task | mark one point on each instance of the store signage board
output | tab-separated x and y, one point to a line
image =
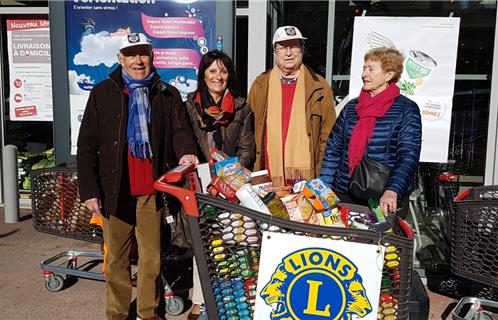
302	277
180	32
430	46
30	76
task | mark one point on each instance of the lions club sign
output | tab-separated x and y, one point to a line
308	278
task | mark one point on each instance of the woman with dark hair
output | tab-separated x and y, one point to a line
220	119
381	125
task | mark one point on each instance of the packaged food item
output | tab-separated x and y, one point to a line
319	218
377	210
206	173
276	206
218	187
281	191
233	182
360	223
298	186
260	177
259	181
290	203
319	194
232	167
218	155
333	217
248	198
305	207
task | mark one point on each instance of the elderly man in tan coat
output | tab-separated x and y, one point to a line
294	113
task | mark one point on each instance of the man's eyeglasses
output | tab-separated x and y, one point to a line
283	50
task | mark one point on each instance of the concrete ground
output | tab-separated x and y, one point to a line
22	290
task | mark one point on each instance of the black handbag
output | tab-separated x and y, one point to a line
368	180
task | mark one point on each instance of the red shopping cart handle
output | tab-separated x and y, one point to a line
463	195
448	177
185	196
178	173
406	229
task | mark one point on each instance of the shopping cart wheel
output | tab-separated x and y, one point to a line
54	283
174	306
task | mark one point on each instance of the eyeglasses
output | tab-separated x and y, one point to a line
282	50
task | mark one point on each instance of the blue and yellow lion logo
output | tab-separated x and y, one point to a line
316	283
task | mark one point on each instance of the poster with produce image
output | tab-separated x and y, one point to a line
429	46
180	31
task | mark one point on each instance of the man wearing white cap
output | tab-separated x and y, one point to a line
294	113
133	130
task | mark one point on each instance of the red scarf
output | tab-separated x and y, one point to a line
221	113
368	110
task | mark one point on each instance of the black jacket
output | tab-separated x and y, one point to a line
102	143
237	137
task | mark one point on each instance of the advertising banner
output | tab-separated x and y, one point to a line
430	46
180	32
311	278
28	46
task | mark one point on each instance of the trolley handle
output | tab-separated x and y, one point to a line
178	173
463	195
185	196
448	177
407	230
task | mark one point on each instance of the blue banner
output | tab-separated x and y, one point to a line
180	31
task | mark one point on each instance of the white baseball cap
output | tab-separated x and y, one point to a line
287	33
134	39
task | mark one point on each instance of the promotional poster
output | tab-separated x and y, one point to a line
28	46
429	45
180	32
314	279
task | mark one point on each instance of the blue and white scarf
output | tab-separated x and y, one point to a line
137	132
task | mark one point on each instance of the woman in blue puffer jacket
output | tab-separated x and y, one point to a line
380	124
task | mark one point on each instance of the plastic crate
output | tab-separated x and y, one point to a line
56	205
475	235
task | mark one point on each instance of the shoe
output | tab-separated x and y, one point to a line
200	316
193	316
151	318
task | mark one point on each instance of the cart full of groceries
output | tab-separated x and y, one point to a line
271	252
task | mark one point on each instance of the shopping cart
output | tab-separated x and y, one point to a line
227	242
57	209
475	250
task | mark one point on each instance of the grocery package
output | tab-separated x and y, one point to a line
219	187
232	172
260	180
248	198
275	205
319	194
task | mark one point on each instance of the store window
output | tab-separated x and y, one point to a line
299	14
33	139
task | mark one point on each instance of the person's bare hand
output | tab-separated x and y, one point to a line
389	202
93	205
189	158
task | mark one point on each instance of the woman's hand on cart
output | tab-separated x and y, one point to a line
389	201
